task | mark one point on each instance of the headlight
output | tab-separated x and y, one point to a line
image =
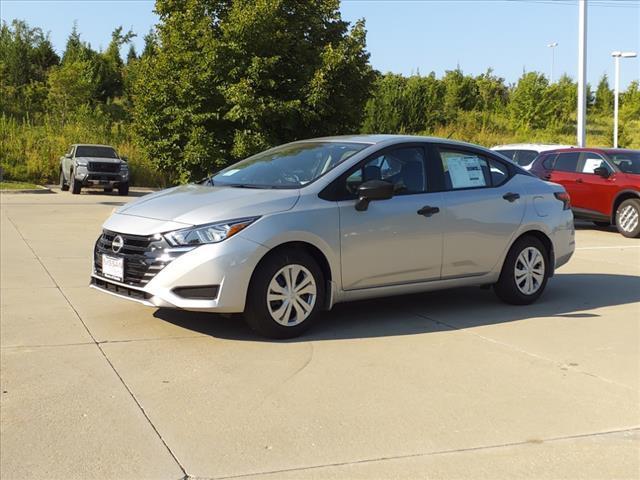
81	163
211	233
124	166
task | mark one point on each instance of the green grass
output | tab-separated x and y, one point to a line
7	185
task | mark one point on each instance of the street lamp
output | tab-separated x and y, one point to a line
617	55
552	46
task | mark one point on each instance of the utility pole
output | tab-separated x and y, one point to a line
552	46
582	72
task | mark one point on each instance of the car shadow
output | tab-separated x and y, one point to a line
567	296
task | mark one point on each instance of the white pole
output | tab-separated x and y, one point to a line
582	71
615	101
552	61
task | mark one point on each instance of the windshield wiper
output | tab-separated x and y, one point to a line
248	185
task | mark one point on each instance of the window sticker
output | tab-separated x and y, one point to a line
591	164
465	172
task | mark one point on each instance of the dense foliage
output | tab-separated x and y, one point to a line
219	80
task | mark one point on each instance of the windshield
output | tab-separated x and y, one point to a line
288	166
627	162
99	152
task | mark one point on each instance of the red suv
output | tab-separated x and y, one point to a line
603	183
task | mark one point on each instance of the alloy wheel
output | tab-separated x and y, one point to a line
291	295
628	218
529	270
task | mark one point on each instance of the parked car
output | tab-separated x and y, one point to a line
300	227
87	165
603	183
524	154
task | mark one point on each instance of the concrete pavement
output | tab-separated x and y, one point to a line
441	385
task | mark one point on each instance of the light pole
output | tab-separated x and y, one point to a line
552	46
616	59
582	72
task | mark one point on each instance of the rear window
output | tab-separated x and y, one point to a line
99	152
525	157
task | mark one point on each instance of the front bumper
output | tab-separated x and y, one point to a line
89	178
227	265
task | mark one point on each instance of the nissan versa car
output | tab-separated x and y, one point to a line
603	183
298	228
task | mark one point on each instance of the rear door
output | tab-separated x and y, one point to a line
564	172
483	208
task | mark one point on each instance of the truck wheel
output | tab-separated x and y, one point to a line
285	294
64	186
76	186
123	189
108	189
628	218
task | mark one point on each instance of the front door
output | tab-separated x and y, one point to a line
393	241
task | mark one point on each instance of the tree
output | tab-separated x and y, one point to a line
630	102
604	97
230	78
461	92
71	85
530	106
132	55
561	97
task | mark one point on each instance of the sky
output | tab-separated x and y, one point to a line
510	36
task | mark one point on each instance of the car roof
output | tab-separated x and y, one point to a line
605	150
388	140
90	145
538	147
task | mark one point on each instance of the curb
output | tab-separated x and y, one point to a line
27	190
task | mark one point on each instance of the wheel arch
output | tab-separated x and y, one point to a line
621	197
545	240
312	250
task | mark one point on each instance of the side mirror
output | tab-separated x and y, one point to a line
373	190
67	155
602	172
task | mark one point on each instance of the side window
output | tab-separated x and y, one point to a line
549	161
464	170
567	162
590	161
403	167
498	171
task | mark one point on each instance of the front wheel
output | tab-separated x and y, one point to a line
285	295
76	186
64	186
524	273
628	218
123	189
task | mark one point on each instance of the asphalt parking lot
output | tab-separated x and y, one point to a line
441	385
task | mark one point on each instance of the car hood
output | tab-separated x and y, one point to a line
199	204
99	159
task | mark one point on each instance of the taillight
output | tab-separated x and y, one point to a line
565	199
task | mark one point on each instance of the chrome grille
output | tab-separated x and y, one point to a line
144	256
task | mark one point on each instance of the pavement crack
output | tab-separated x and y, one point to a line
429	454
99	346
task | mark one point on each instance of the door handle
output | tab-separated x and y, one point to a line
427	211
511	196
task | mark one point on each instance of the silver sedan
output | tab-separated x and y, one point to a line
296	229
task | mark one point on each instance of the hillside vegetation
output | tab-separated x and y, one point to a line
218	81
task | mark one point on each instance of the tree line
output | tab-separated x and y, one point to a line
218	80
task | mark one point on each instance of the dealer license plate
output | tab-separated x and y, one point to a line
113	267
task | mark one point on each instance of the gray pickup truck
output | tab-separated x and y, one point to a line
94	166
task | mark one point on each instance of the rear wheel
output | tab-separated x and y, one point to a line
524	273
64	186
76	186
628	218
285	295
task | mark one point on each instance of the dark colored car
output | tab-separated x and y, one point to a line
603	183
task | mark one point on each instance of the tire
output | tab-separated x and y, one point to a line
628	218
64	186
512	291
76	186
277	318
602	224
108	189
123	189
